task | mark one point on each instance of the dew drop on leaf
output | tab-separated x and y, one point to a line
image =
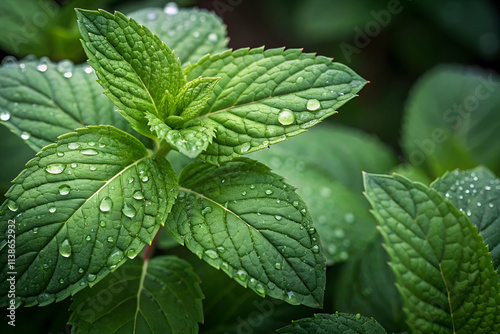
286	117
278	217
145	179
91	277
313	105
89	151
65	248
110	239
43	64
115	257
4	115
206	210
52	209
244	148
171	8
211	254
291	297
66	68
138	195
64	189
277	265
73	146
13	206
269	192
102	223
106	204
55	168
88	238
315	249
80	271
129	210
213	37
45	266
131	253
9	61
242	275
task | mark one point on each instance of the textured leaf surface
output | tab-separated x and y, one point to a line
333	324
328	176
266	96
245	220
477	193
451	120
134	66
366	285
442	265
80	208
159	296
191	33
40	100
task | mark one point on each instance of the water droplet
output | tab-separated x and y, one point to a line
152	16
35	230
61	281
65	248
478	204
277	265
45	266
291	297
73	146
245	148
300	79
55	168
91	277
145	179
66	68
52	209
60	154
286	117
211	254
80	271
9	61
89	151
278	217
131	253
171	8
206	210
102	223
313	104
358	316
226	268
129	210
88	69
106	204
340	93
303	212
13	206
242	275
311	230
138	195
260	289
269	192
196	34
88	238
43	64
252	186
315	249
4	115
131	180
469	213
64	189
110	239
93	168
115	258
213	38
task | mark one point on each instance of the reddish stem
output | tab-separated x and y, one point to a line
150	249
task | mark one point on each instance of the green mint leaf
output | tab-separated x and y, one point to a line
334	323
81	208
245	220
477	193
193	97
135	67
192	33
366	285
443	268
451	120
266	96
162	295
41	100
190	140
331	185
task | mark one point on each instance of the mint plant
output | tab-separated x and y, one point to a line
100	188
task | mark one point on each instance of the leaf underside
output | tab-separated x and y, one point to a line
246	221
443	268
80	209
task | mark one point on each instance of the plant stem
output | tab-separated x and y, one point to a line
150	249
161	149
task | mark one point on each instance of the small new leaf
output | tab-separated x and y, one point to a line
338	323
245	220
81	208
162	295
443	268
134	66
